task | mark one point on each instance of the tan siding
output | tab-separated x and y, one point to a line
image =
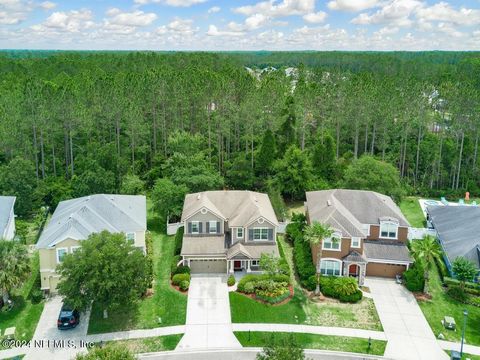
375	233
265	224
384	270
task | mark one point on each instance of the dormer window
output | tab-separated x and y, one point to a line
332	243
388	230
356	242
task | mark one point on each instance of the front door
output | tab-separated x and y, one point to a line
353	270
237	265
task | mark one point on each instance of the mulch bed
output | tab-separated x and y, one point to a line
175	287
422	297
283	302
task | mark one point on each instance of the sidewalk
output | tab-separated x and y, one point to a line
137	334
467	349
310	329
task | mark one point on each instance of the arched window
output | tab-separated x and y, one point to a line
330	267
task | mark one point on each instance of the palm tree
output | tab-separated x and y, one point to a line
14	266
426	251
315	233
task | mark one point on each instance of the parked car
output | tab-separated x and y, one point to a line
68	318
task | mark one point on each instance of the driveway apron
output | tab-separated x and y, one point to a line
209	323
408	333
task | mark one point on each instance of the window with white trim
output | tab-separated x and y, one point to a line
61	252
130	236
255	263
195	227
356	242
330	267
260	233
212	226
333	243
240	233
388	230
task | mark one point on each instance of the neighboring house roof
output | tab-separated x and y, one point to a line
79	218
239	208
457	228
347	210
388	251
7	204
209	245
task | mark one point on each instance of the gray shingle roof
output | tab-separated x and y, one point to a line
6	205
354	256
347	210
253	251
389	251
238	207
78	218
458	229
203	245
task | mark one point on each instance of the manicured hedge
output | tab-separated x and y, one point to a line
178	240
344	289
470	288
273	300
302	255
231	280
178	278
414	278
253	278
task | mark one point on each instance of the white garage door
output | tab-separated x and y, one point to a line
208	266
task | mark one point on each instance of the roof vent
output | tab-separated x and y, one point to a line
329	203
198	197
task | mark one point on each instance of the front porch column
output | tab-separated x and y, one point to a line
230	266
248	266
361	275
188	262
346	265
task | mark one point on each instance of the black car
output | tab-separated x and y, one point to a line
68	318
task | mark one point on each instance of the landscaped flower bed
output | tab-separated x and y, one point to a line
181	281
271	289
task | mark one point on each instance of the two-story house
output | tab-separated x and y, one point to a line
7	217
370	233
75	220
227	231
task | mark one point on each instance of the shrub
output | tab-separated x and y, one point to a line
294	230
249	288
36	295
184	285
182	269
231	280
414	278
345	286
457	293
302	255
178	240
327	286
352	298
311	283
255	278
283	267
178	278
273	298
173	265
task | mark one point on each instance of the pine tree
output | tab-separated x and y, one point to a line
266	156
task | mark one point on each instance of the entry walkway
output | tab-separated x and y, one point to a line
209	324
408	333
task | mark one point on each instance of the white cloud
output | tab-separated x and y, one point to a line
213	10
352	5
176	3
73	21
48	5
317	17
443	11
132	19
274	8
13	12
395	13
387	31
213	31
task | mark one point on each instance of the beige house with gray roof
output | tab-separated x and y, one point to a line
370	233
75	220
227	231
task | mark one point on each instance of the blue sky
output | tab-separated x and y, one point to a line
240	24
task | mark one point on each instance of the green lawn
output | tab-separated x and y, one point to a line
301	310
151	344
311	341
166	303
441	305
295	207
412	211
25	315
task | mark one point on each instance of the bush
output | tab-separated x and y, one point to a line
184	285
457	293
273	298
294	230
178	278
178	240
36	296
302	255
255	278
249	288
327	286
345	286
173	266
182	269
311	283
414	278
231	280
352	298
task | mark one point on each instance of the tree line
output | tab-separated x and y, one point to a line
73	124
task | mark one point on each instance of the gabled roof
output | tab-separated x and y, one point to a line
387	251
6	206
239	208
253	251
347	210
78	218
458	229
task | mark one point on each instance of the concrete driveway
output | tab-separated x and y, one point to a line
47	330
209	323
408	333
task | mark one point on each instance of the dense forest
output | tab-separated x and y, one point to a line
76	123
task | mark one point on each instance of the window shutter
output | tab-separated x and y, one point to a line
189	227
218	227
250	234
208	227
200	228
270	234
